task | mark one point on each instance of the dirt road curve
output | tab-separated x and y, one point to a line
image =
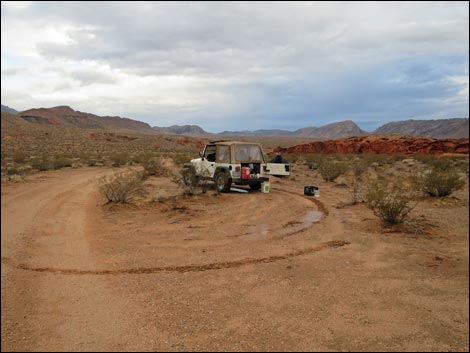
233	272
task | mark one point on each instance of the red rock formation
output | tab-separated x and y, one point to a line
385	145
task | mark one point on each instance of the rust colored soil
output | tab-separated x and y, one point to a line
236	272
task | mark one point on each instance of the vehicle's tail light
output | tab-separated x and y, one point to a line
237	168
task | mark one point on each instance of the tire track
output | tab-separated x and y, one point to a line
183	269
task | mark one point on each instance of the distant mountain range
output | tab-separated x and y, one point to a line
334	130
6	109
181	130
66	116
442	128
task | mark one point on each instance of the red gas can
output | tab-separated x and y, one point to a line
246	172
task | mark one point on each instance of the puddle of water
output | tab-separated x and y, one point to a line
261	231
257	232
312	217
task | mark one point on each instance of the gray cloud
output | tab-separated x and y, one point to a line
277	64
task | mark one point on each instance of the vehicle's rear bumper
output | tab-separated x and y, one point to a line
240	181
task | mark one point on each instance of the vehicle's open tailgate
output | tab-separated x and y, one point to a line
278	169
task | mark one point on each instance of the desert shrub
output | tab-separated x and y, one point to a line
154	166
122	188
12	170
42	163
181	158
62	162
91	161
439	183
330	170
119	159
358	167
356	186
293	157
19	157
189	180
314	161
391	203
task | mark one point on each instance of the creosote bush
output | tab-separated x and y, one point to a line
189	180
19	157
62	162
41	163
439	183
119	159
154	166
390	202
330	169
122	188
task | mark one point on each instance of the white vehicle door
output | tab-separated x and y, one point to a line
208	162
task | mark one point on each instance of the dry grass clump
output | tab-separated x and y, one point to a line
122	188
390	202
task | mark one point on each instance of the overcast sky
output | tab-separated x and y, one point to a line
239	65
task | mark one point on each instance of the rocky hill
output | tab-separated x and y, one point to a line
181	130
9	120
441	128
335	130
66	116
380	144
7	109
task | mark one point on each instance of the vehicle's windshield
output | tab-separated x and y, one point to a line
248	153
209	153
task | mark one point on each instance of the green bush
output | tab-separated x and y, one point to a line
330	170
181	158
122	188
154	166
42	163
390	203
440	183
19	157
62	162
189	180
91	161
119	159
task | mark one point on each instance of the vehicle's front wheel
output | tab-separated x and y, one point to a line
256	186
223	182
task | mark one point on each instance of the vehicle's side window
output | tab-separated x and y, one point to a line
209	153
223	154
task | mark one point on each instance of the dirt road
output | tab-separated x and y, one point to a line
250	271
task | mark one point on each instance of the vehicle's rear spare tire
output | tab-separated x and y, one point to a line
223	182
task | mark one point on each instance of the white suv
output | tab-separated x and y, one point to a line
240	163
